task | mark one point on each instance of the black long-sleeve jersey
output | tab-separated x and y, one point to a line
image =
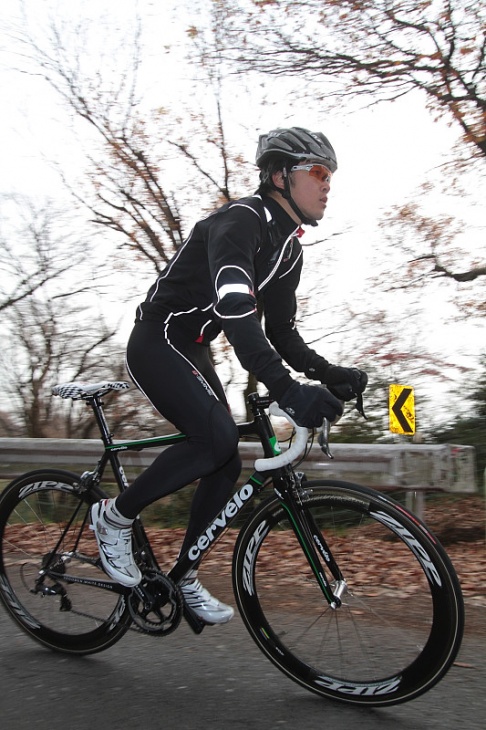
247	251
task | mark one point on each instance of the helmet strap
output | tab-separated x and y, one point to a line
286	193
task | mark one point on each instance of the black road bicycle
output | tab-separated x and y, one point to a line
313	572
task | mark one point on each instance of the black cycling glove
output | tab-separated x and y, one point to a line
345	383
309	405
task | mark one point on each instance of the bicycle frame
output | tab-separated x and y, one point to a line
284	482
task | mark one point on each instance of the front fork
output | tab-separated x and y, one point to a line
311	541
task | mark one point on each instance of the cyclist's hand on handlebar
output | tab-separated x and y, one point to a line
309	405
345	383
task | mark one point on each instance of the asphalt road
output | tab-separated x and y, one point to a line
217	680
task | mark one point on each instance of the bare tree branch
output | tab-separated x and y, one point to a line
381	49
470	275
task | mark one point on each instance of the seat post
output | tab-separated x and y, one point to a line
97	406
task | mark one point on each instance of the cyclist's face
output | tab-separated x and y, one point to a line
309	193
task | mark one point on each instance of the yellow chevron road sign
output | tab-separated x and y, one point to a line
401	406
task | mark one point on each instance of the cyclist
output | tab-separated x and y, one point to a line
245	253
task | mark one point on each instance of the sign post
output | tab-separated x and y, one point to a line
401	407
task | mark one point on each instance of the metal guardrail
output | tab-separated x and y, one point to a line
412	467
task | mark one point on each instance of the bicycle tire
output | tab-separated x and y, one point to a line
65	616
401	621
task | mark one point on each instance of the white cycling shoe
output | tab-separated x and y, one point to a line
204	605
115	546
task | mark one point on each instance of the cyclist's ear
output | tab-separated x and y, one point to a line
278	180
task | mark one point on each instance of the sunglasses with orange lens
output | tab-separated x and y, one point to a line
320	172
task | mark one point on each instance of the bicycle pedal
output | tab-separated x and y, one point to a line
196	624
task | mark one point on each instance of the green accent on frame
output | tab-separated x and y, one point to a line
329	596
146	443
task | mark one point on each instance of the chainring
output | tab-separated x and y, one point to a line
156	604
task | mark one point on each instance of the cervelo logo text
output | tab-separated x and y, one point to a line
420	552
123	477
232	508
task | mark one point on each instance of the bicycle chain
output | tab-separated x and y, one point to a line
150	602
130	627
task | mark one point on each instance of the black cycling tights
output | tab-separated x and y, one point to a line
178	378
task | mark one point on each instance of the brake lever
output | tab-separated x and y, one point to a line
360	406
323	438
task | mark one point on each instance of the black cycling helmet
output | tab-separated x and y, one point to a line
281	147
296	143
